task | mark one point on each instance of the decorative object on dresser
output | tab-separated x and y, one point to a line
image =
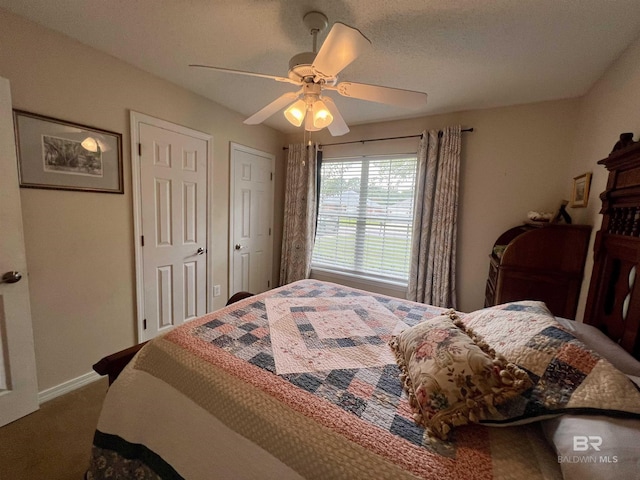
562	215
539	262
613	304
626	139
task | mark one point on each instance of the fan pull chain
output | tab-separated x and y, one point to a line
307	140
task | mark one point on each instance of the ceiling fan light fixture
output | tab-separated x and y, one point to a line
296	112
309	121
321	115
316	71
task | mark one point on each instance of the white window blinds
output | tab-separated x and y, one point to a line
365	216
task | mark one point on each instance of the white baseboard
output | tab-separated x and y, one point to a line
68	386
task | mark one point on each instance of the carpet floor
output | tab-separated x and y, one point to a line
53	443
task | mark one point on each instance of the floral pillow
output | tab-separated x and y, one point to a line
567	376
450	379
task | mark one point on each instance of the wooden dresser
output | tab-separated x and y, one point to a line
613	304
546	263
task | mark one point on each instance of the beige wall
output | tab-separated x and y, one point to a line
611	107
80	245
517	159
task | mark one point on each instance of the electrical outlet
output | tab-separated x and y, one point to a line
216	290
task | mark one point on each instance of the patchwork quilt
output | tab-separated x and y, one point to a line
298	382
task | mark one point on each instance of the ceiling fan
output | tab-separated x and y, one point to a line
317	71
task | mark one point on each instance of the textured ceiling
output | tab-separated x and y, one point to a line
466	54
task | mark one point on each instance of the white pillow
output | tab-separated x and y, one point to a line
591	447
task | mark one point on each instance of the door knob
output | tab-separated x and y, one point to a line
200	251
11	277
238	246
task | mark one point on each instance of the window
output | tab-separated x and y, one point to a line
365	216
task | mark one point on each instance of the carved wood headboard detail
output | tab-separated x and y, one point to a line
613	304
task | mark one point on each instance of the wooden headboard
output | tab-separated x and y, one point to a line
613	304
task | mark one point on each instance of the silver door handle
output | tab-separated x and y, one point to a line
11	277
200	251
238	246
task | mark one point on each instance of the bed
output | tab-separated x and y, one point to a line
320	381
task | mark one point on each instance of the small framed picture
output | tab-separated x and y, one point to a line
580	195
61	155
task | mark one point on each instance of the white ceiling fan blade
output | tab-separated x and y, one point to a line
376	93
278	104
338	126
250	74
341	47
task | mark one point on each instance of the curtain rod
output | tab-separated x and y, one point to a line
381	139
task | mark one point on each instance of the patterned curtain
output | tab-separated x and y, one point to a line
299	214
432	277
